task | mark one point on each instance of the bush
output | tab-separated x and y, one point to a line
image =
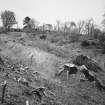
93	43
43	37
2	30
101	38
8	19
97	33
74	37
55	38
85	43
103	51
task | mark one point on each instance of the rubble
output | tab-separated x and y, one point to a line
99	84
90	64
42	91
86	72
1	61
88	75
69	68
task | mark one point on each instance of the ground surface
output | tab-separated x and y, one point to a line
30	55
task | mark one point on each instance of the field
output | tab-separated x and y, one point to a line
28	62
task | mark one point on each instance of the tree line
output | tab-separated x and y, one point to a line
82	27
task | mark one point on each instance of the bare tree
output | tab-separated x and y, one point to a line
97	33
80	26
36	23
89	26
65	27
31	23
103	21
68	26
72	24
43	29
58	24
8	19
26	21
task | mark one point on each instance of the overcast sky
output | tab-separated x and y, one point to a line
48	11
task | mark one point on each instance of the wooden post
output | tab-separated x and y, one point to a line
3	92
67	74
31	60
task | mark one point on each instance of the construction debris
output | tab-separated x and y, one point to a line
3	91
1	60
70	69
42	91
88	75
39	93
91	77
90	64
99	84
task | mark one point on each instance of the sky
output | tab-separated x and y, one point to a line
48	11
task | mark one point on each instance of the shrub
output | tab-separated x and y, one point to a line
101	37
85	43
2	30
74	37
8	19
103	51
43	37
